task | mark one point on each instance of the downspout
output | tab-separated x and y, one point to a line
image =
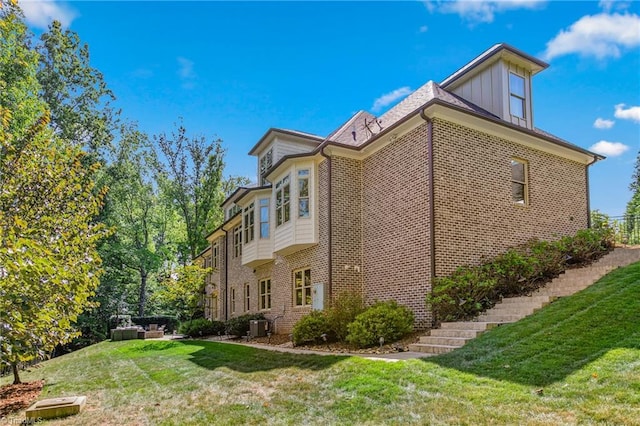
329	219
226	275
432	209
586	176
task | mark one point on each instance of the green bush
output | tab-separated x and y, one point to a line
343	311
520	270
384	319
239	326
311	327
201	327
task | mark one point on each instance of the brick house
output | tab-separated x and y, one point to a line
454	172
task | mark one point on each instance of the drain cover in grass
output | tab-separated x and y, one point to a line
56	407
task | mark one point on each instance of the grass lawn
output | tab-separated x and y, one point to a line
575	362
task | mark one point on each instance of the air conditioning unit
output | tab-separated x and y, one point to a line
258	328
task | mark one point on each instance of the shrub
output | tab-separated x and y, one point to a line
384	319
344	310
239	326
311	327
201	327
520	270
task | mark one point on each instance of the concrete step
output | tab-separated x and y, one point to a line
516	310
467	325
431	349
447	341
500	318
526	299
442	332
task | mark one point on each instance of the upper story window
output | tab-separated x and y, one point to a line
237	241
215	255
303	193
249	230
519	184
283	198
231	211
266	161
264	217
302	287
516	98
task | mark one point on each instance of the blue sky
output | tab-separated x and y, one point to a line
235	69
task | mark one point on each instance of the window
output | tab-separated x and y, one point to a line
233	300
247	298
264	217
516	87
248	224
283	192
519	182
231	211
303	193
265	294
302	287
237	241
265	164
215	255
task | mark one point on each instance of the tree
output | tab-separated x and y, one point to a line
134	210
49	266
182	291
191	173
75	92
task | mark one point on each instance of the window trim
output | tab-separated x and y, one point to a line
266	206
283	210
247	297
237	241
522	98
233	300
214	255
524	183
304	286
266	161
304	175
248	219
264	288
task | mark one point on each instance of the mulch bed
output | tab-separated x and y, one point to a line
18	397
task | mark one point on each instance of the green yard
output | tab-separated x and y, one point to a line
575	362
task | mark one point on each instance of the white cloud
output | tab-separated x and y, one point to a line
603	35
610	149
390	97
185	70
602	123
609	5
480	11
423	29
631	113
41	13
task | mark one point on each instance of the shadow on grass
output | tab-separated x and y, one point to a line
213	355
560	339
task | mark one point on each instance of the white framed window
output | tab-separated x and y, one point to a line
519	182
233	300
264	217
302	287
237	241
215	255
231	211
247	297
283	201
303	193
517	95
265	294
266	161
248	218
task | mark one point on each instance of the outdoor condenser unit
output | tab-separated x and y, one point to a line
258	328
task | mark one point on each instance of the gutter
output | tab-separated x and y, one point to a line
330	220
432	210
586	177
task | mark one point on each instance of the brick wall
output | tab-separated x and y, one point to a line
475	214
395	215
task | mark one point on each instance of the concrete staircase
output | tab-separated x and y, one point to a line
453	335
